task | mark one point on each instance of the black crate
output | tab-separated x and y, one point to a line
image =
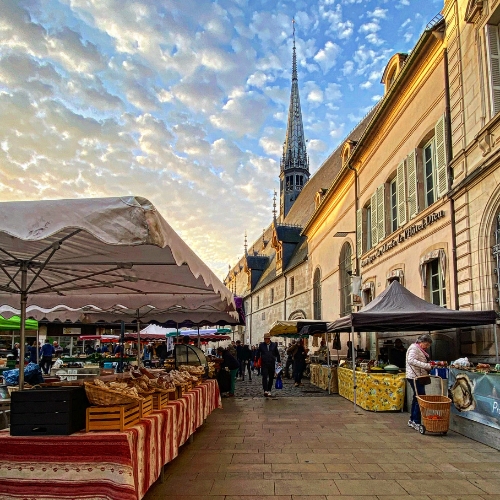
51	411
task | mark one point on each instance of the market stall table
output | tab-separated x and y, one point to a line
320	374
375	392
101	465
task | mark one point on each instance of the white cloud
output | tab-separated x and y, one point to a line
374	39
378	13
348	68
366	85
371	27
327	56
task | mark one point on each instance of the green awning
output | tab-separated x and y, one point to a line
14	323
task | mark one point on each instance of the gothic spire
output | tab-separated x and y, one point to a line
294	149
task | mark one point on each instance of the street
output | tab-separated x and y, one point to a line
319	448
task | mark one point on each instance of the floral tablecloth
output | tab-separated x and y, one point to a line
102	465
319	377
374	392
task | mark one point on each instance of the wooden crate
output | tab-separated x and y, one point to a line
112	418
146	406
160	400
172	396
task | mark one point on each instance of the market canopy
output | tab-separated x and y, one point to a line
294	328
397	309
103	251
14	323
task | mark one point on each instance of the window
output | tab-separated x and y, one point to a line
257	299
292	285
368	227
496	255
345	271
272	296
393	204
436	285
263	316
492	38
429	173
317	294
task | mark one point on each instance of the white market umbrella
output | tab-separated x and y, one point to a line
103	251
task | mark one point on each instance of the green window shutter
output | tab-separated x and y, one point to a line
411	166
359	232
381	212
441	167
401	193
374	219
493	41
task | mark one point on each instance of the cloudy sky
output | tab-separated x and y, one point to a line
185	101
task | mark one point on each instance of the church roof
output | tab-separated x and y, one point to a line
288	234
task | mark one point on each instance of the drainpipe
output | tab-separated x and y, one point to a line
350	167
449	155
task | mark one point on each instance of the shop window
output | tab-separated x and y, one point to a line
292	285
345	271
317	294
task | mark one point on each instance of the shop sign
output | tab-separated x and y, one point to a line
404	235
72	331
475	396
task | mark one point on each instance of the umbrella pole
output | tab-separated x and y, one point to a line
24	300
353	368
139	348
119	369
38	346
328	363
198	337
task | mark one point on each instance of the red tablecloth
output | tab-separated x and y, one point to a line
102	465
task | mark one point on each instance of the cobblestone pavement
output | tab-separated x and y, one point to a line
253	389
310	448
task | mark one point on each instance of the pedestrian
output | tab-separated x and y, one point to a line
289	358
231	363
46	353
232	349
239	351
299	362
15	351
418	364
33	351
104	349
162	352
246	359
269	355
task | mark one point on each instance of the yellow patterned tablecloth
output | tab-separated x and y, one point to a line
319	377
374	392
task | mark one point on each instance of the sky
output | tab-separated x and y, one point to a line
185	102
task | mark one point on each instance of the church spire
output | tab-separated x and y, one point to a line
294	162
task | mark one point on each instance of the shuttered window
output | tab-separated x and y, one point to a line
411	171
381	212
492	39
359	232
429	173
401	193
374	219
369	227
394	204
441	167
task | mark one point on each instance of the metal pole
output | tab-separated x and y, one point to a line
119	369
38	346
198	337
328	363
353	367
139	347
24	300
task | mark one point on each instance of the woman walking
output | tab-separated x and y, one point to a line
299	362
418	364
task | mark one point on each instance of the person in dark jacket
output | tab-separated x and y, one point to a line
299	362
231	363
46	353
269	356
34	353
246	359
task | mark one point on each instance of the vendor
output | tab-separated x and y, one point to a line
397	354
323	350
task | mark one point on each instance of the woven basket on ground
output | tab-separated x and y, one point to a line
101	396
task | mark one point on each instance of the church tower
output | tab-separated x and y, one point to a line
294	172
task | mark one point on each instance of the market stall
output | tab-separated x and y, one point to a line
106	464
397	309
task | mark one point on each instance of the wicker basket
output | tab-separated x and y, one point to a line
435	412
101	396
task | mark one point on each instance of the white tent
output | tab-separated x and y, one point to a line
105	252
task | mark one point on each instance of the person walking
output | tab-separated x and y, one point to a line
299	362
239	351
246	359
269	355
231	363
33	353
46	352
418	364
289	358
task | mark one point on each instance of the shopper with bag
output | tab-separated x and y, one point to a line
268	355
299	362
418	365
